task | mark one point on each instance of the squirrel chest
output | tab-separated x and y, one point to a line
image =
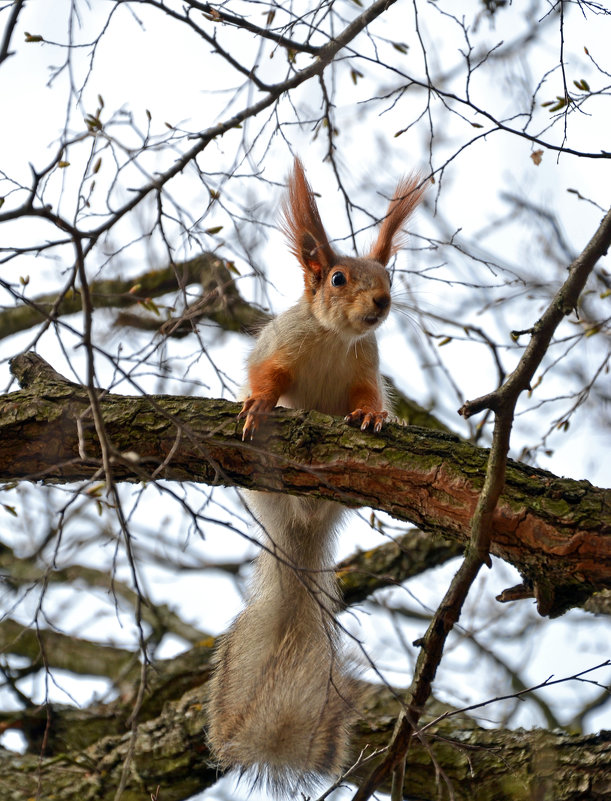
324	366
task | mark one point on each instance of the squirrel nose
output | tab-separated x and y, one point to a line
382	301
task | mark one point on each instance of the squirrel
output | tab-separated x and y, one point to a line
281	696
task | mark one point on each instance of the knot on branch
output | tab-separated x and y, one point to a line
33	372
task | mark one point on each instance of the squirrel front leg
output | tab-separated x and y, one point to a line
268	380
368	405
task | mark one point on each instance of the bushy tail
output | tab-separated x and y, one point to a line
281	697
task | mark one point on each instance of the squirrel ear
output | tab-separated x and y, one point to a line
313	255
304	229
407	195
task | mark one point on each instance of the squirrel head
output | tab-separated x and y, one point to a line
348	295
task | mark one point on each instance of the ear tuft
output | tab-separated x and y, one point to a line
304	229
407	195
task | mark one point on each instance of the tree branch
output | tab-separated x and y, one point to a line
220	302
556	531
170	752
11	23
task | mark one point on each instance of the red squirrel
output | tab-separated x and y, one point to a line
282	697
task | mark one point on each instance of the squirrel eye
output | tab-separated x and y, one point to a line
338	279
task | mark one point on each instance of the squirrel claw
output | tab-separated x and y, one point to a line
368	418
254	411
250	426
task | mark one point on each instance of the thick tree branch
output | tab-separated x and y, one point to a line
392	563
170	752
28	571
84	749
556	531
220	302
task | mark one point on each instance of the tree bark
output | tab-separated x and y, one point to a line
556	531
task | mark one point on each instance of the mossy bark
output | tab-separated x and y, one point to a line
556	531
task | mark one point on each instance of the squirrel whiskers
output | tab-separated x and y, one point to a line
282	698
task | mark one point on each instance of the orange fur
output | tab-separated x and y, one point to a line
307	237
269	379
407	195
366	394
367	403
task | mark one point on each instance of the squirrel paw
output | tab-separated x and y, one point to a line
254	411
368	418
